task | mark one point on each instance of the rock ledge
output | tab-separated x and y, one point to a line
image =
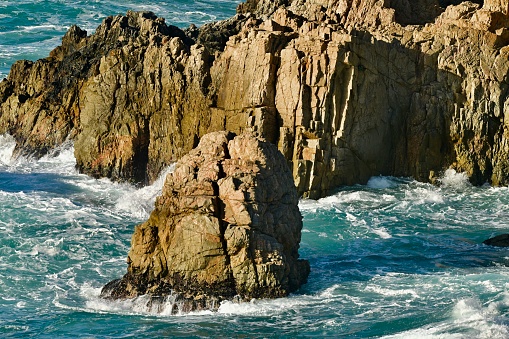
501	240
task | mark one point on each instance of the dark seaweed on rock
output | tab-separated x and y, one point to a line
501	240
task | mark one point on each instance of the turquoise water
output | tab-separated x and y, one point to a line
395	259
391	259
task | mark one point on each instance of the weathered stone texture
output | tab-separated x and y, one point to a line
347	89
227	224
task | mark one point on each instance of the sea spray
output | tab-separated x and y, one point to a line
140	202
452	179
61	248
7	145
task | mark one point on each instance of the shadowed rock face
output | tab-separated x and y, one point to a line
132	95
227	224
346	89
501	240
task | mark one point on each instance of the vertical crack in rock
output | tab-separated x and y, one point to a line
220	214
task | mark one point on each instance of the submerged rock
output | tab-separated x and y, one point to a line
501	240
347	89
226	225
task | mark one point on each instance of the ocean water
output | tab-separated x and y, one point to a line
391	259
30	29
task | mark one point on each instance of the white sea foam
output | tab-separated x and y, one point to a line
382	233
38	28
140	202
126	199
381	182
262	307
145	7
60	160
14	328
468	318
7	145
201	15
142	305
452	179
309	205
392	292
49	247
166	307
330	292
424	195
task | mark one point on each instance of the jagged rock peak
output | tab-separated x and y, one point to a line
227	224
501	6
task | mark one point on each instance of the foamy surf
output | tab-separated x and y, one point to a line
469	318
378	261
7	145
60	160
123	198
140	202
452	179
381	182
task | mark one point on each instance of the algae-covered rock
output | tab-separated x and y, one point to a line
501	240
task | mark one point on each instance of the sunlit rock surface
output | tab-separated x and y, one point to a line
346	89
227	225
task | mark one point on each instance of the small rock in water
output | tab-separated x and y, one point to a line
226	226
501	240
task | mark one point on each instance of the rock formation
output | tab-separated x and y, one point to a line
227	224
347	89
501	240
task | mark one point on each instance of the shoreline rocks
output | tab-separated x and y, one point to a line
347	89
227	225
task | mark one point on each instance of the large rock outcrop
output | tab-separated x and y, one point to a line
347	89
227	224
132	96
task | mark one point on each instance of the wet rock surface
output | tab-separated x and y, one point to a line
227	225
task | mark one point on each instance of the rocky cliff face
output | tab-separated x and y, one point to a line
227	224
347	89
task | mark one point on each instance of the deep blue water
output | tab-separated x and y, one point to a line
392	259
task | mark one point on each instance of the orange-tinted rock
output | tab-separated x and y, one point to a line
227	224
